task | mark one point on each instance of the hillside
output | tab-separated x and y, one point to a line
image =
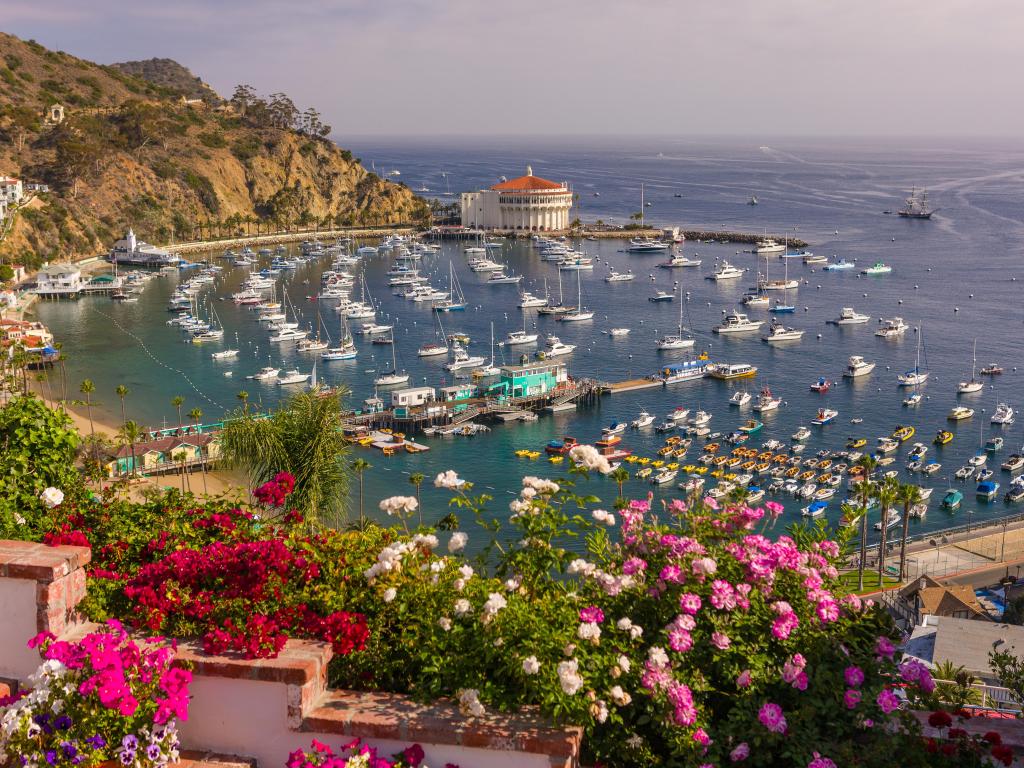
131	153
169	74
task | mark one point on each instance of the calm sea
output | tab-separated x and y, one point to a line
958	277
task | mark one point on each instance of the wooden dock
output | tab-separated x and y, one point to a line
631	385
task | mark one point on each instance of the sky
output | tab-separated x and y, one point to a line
548	67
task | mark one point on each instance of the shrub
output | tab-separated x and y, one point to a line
203	188
212	139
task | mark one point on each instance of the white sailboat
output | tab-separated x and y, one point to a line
578	313
677	340
490	369
346	349
392	377
974	385
916	376
517	337
456	301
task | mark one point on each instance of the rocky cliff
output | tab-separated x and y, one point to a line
133	152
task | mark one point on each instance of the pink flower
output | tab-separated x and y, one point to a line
633	566
723	597
592	614
704	566
774	509
884	647
821	762
679	640
701	737
740	753
689	603
851	698
772	718
854	676
672	573
681	697
784	625
720	640
743	679
887	701
711	502
828	610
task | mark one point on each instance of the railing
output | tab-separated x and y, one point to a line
992	696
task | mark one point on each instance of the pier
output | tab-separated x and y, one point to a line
631	385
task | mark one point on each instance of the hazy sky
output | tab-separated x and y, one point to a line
744	67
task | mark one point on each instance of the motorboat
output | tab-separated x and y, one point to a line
293	377
288	334
824	416
615	428
224	354
527	300
679	260
943	437
892	519
646	245
767	245
730	371
878	268
1013	463
664	476
952	499
751	426
887	445
987	490
500	278
662	296
700	419
737	322
740	398
766	401
266	373
801	434
822	385
857	366
618	332
959	413
815	509
838	266
755	300
782	309
1004	414
726	271
555	348
643	420
848	316
891	328
992	369
994	444
903	433
778	332
913	399
462	359
515	338
619	277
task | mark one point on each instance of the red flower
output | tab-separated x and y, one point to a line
992	737
1003	754
940	719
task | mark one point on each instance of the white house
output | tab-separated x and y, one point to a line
59	280
527	203
407	398
11	190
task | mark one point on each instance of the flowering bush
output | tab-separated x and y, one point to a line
101	698
355	755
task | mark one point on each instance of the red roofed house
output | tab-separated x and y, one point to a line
527	203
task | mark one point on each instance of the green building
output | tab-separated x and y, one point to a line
532	379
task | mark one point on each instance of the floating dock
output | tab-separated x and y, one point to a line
631	385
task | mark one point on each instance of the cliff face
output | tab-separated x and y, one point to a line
131	153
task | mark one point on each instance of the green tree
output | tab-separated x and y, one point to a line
129	434
955	685
122	392
87	388
620	475
909	495
181	457
196	416
302	437
359	466
416	480
177	401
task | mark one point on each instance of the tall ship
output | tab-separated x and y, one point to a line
131	250
916	206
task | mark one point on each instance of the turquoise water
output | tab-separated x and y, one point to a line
967	258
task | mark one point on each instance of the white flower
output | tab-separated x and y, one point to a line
657	656
457	541
530	665
494	603
579	565
635	741
569	676
599	710
624	663
589	458
636	631
519	508
459	584
603	516
389	594
449	480
461	607
624	624
52	497
569	649
512	584
445	623
425	539
469	702
589	630
438	565
543	487
466	571
19	519
527	493
399	505
619	696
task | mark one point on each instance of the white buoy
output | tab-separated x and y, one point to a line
956	309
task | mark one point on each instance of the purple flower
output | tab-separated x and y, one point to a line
854	676
62	723
130	742
127	758
96	742
69	749
153	751
51	756
741	752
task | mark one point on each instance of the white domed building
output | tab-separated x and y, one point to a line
527	203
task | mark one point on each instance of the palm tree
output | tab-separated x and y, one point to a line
887	493
196	415
359	466
909	495
129	435
87	388
302	437
243	397
122	392
868	464
181	456
620	475
416	479
956	686
177	401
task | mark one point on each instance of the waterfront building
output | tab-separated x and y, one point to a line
30	334
527	203
411	397
59	280
11	190
456	392
532	379
164	454
131	250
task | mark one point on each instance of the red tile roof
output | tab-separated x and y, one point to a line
527	184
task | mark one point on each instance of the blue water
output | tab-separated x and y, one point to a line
832	195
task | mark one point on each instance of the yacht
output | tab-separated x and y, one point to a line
891	328
857	366
293	377
500	278
527	300
679	260
737	322
700	419
662	296
848	316
288	334
914	376
766	401
769	246
778	332
878	268
810	258
740	398
462	359
266	373
824	416
1003	415
646	245
645	419
432	349
520	337
554	347
688	370
726	271
224	354
619	332
619	277
959	413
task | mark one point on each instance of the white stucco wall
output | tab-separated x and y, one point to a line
17	625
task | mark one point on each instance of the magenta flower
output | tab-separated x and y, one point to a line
701	737
851	698
689	603
854	676
884	647
827	610
679	640
633	566
720	640
887	701
772	718
821	762
592	614
774	509
743	679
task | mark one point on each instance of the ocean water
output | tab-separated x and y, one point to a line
957	277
